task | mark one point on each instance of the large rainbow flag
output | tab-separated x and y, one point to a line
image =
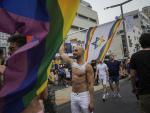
48	22
99	39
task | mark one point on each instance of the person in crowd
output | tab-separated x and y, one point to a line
2	59
82	81
114	67
1	63
140	68
94	63
68	76
49	103
52	76
56	76
61	75
122	71
102	72
128	67
15	42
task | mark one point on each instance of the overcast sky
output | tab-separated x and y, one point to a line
110	14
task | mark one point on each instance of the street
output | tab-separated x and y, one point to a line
126	104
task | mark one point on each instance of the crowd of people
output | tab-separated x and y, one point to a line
82	76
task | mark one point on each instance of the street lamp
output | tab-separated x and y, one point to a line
124	28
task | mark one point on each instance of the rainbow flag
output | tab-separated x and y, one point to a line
48	22
99	39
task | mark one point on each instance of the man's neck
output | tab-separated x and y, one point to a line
112	60
80	61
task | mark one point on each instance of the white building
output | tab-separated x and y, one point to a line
136	23
3	42
146	11
85	18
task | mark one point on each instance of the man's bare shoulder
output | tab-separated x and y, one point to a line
88	67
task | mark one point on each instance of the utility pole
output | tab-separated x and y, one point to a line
124	28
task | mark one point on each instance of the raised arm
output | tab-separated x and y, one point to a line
96	73
65	57
90	79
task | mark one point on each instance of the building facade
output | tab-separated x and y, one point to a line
3	42
136	23
85	17
146	11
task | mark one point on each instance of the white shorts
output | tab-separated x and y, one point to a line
103	80
80	102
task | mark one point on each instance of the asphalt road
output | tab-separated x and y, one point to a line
126	104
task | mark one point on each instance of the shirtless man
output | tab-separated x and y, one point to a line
82	81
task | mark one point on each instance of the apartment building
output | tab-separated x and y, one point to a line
85	17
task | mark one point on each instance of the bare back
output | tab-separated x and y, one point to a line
79	78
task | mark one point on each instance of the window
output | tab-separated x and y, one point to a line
135	16
74	27
81	28
134	38
93	20
139	33
130	42
82	16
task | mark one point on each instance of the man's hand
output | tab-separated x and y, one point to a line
2	69
91	107
65	57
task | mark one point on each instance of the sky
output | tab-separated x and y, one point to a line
110	14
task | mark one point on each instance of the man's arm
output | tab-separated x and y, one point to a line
133	71
65	57
106	69
90	79
120	66
133	79
107	73
96	74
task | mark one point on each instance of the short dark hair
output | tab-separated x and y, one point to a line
19	39
1	51
145	40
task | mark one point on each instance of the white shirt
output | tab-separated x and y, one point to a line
67	73
102	69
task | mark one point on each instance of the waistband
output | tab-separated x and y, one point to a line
80	94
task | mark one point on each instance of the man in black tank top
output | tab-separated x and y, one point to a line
140	70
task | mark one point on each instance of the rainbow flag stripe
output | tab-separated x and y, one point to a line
112	34
48	22
89	37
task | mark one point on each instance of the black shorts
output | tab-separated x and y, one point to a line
113	79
